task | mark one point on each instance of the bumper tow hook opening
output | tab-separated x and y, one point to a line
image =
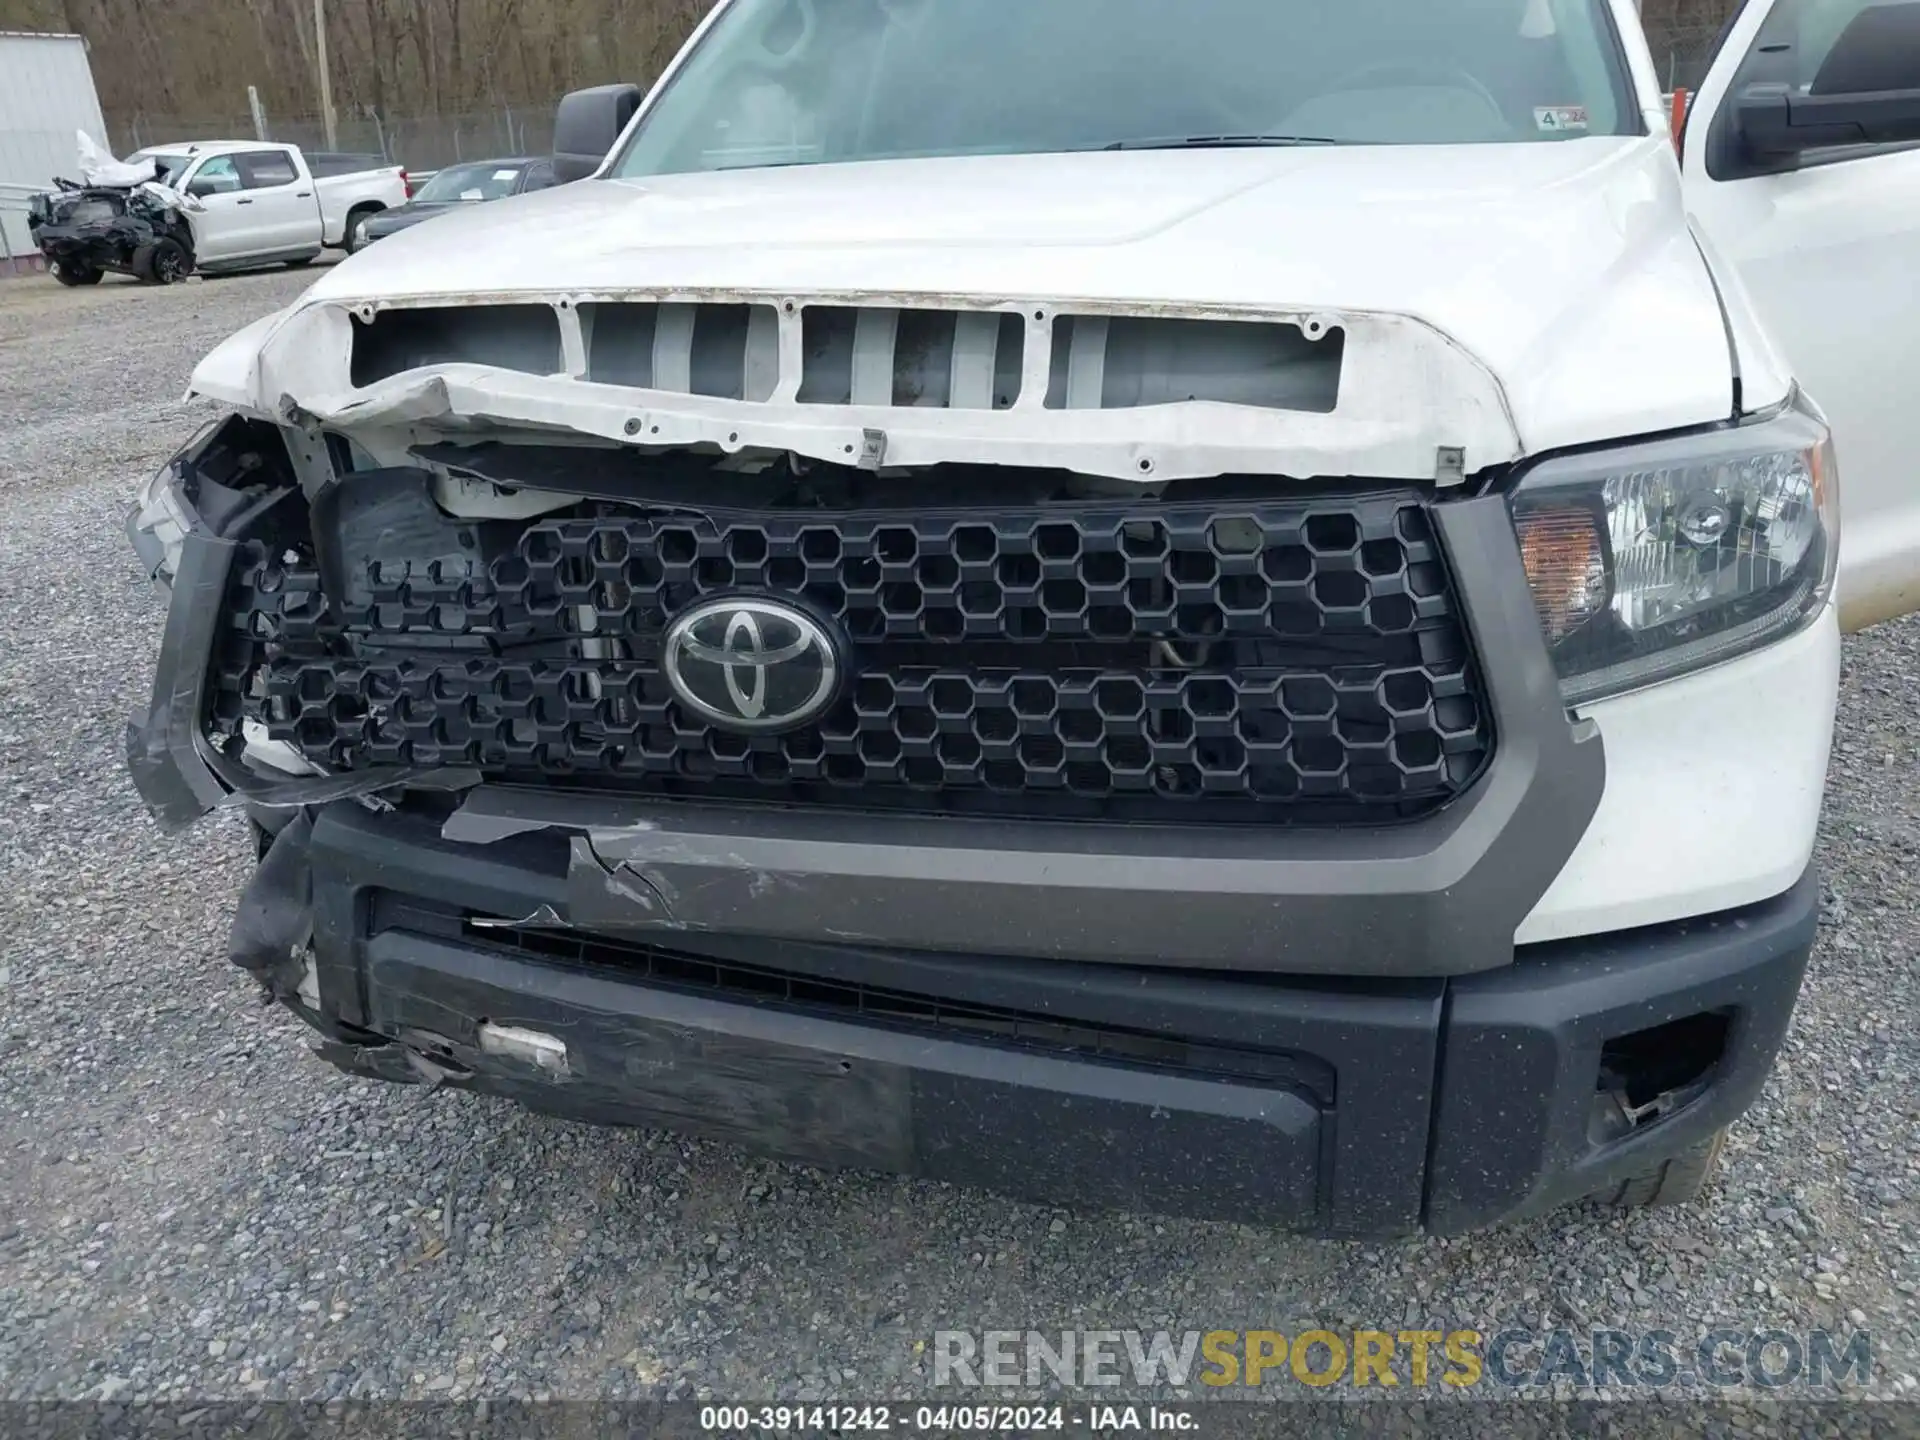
544	1052
1651	1074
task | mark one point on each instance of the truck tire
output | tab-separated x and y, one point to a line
164	262
1678	1180
68	273
349	237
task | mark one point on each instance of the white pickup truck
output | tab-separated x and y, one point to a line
1220	606
262	204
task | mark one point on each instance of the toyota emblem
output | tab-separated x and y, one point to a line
752	665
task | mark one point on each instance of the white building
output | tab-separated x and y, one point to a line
46	94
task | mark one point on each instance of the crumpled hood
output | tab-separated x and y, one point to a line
1567	269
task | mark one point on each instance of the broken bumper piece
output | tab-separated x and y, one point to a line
186	527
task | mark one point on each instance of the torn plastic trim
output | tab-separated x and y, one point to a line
179	775
1406	391
162	516
272	939
270	794
417	1059
273	925
164	753
542	917
277	755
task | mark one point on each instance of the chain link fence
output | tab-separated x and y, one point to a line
421	143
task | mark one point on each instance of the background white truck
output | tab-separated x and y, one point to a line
262	204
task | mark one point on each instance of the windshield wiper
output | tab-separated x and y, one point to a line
1218	142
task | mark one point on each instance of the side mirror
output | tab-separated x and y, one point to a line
586	125
203	188
1776	123
1866	92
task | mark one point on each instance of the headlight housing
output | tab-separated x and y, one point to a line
158	525
163	513
1658	558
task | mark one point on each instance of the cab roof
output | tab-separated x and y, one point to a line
211	147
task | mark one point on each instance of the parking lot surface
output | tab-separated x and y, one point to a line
191	1206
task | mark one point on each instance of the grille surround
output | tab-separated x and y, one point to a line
1296	661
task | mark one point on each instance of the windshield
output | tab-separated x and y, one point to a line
469	182
796	82
171	165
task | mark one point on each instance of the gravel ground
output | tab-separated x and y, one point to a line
191	1206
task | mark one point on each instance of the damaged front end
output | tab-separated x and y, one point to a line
1159	666
1064	571
443	539
223	512
815	731
139	230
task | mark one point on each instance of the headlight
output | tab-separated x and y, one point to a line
1664	557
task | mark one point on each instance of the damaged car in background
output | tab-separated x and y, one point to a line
115	218
1254	634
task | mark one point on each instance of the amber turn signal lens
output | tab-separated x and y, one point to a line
1566	566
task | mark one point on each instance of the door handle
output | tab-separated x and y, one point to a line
303	195
243	202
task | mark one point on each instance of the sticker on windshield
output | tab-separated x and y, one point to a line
1553	119
506	174
473	194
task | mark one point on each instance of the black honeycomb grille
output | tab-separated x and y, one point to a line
1279	662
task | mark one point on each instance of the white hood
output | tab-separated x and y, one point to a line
1566	270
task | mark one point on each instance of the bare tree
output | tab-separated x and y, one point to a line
191	60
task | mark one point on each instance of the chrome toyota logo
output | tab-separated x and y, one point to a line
752	665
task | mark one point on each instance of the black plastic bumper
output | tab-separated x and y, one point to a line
1344	1108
